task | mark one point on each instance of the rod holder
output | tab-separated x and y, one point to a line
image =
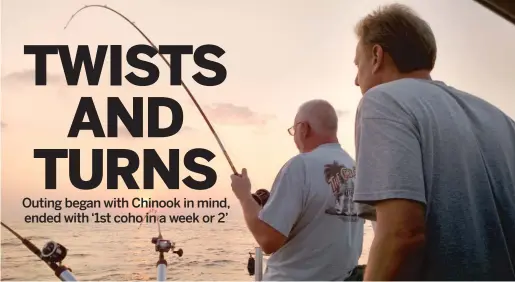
258	276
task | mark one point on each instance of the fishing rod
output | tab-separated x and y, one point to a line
168	63
162	246
261	194
52	254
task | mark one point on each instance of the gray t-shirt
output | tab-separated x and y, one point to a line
428	142
311	204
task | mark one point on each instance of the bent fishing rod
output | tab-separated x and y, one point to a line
168	63
52	254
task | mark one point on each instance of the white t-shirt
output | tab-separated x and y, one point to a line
311	202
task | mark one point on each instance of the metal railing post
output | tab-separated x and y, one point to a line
258	276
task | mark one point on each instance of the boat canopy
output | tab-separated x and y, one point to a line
503	8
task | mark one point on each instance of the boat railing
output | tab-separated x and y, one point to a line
258	275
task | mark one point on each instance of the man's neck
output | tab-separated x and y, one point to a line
325	141
420	74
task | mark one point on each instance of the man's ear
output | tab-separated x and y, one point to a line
302	130
307	129
377	58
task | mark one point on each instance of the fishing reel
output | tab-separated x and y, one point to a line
261	196
251	265
164	246
53	252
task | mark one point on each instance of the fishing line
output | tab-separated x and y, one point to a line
154	211
146	214
168	63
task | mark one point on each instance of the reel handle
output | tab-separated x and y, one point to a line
179	252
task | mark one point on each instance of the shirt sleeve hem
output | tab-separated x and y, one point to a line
273	224
365	198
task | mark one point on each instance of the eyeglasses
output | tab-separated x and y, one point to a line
291	130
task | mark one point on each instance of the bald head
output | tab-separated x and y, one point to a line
321	116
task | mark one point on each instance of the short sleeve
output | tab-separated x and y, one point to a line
284	206
388	153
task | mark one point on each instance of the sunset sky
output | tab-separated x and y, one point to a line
279	54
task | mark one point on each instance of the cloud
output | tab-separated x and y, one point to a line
123	132
25	77
342	113
227	113
186	128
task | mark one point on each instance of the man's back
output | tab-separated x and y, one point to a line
468	163
326	239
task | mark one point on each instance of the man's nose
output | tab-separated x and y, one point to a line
356	80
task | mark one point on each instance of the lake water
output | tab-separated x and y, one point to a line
124	252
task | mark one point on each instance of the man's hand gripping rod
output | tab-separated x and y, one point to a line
52	254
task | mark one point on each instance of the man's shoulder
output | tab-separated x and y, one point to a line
295	163
384	100
300	162
401	99
409	90
404	83
396	91
328	155
293	168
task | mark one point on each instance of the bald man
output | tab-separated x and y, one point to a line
309	224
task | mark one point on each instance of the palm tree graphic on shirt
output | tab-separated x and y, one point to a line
337	176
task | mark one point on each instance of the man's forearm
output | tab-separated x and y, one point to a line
251	211
393	259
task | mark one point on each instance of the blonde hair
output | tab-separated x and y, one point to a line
406	37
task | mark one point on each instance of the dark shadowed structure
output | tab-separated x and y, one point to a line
503	8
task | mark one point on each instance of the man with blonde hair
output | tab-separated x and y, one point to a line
309	224
437	163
